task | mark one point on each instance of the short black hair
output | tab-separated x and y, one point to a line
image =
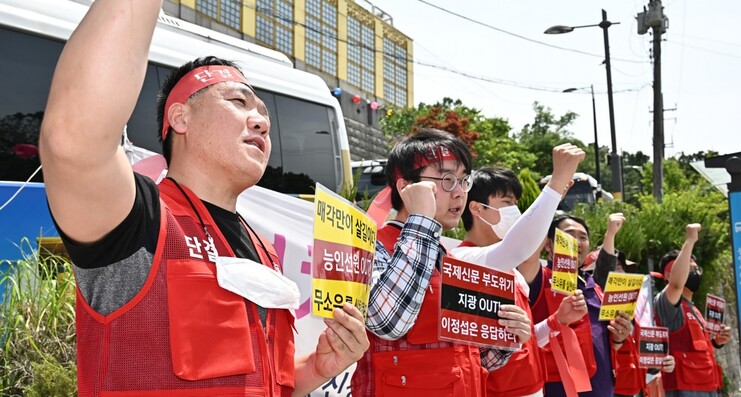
169	83
670	256
402	159
562	217
487	182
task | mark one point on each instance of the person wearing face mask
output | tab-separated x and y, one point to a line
496	191
697	373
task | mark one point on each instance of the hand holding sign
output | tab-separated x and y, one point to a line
620	327
668	364
724	336
516	321
572	308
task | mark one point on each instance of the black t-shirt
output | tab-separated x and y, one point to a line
110	271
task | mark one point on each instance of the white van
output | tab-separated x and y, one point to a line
308	131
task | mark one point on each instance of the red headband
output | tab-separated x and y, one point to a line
432	155
667	268
196	80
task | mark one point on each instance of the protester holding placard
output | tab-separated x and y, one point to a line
163	305
406	356
697	372
494	193
630	363
595	339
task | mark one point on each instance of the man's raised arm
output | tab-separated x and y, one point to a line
89	183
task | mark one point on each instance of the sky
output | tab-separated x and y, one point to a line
701	66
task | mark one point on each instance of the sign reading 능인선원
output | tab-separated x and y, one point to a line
343	254
621	294
565	263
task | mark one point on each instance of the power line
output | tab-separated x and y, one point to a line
523	37
705	50
493	80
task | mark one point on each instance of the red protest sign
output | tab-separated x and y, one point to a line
715	308
470	298
653	346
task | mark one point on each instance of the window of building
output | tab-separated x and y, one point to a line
321	35
275	24
394	73
228	12
360	55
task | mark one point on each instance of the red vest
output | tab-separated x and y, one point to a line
691	346
629	378
418	364
547	304
523	373
182	334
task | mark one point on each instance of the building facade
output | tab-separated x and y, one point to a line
364	60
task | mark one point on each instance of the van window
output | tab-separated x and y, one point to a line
26	66
305	145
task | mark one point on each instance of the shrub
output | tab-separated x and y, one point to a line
37	327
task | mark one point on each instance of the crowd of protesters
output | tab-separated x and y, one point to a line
152	320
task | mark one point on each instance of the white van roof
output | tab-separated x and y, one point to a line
175	42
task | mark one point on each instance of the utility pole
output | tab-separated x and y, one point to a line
655	19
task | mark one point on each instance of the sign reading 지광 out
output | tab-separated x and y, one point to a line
715	308
653	346
565	263
343	253
621	294
470	298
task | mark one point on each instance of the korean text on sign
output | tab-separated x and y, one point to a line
653	346
715	308
342	255
621	294
470	299
565	263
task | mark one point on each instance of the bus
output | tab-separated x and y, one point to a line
309	139
308	131
584	190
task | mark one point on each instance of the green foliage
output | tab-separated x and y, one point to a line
52	379
37	324
543	134
530	189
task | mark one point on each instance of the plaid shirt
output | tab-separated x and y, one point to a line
398	286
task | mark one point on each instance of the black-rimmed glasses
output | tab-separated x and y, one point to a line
449	182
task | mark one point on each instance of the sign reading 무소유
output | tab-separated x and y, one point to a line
344	249
565	263
621	294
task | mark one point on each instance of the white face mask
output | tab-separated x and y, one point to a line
507	217
257	283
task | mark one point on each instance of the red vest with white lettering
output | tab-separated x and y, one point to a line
523	373
691	346
629	377
547	304
182	334
418	364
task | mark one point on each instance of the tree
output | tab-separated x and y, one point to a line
530	189
488	138
543	134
